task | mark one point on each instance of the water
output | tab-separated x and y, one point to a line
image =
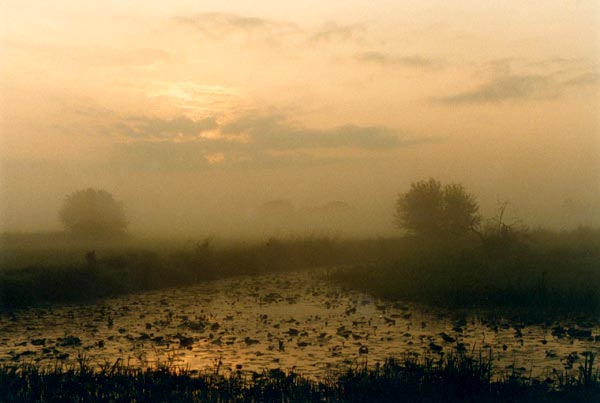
293	321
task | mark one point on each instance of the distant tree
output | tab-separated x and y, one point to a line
93	212
432	210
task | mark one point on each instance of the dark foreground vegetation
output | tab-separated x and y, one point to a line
457	377
538	272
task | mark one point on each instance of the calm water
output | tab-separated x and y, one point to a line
291	321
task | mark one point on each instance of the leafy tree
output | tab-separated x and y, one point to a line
93	212
432	210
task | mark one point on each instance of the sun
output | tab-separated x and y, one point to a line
199	100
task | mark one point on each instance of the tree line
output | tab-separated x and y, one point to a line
428	209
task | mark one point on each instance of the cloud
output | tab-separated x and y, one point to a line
276	132
507	87
583	79
178	128
198	100
160	156
221	26
335	33
385	59
218	26
250	141
539	80
557	62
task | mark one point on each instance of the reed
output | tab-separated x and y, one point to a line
550	273
455	377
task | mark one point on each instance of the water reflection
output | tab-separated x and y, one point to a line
293	321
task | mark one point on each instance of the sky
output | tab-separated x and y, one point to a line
196	114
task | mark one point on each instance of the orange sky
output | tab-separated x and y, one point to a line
189	111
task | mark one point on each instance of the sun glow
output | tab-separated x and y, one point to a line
199	100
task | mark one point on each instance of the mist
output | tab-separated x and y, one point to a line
195	116
341	199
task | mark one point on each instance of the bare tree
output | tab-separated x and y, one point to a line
498	236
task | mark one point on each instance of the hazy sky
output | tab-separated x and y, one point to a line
195	113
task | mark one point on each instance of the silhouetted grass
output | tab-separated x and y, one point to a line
454	378
543	272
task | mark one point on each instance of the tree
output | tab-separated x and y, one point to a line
432	210
93	212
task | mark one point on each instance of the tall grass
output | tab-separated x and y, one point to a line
539	271
543	272
456	377
37	271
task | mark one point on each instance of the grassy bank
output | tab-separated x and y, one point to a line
539	271
542	272
456	377
56	269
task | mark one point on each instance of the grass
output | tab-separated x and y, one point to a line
54	269
456	377
539	272
544	272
